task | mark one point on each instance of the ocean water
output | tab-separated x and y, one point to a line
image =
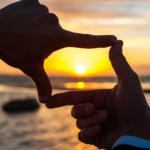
44	129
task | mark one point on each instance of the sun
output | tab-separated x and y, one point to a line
80	69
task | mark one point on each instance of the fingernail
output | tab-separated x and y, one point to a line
87	110
113	39
97	127
43	98
102	115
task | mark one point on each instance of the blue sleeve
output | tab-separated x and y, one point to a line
131	143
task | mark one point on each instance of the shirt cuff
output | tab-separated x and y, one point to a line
132	141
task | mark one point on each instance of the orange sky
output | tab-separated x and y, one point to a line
128	20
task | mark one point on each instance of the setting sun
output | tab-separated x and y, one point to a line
80	69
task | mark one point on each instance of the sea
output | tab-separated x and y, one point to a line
46	129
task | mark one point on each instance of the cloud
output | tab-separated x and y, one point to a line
100	1
66	9
101	13
97	10
119	6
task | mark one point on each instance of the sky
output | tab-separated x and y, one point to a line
129	20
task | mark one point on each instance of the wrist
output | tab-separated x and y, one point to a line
142	129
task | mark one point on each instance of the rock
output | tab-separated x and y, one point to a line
146	91
21	105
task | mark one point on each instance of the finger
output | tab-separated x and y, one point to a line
82	110
87	134
87	40
97	118
42	82
76	97
70	98
118	61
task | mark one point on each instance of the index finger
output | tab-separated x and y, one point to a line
88	41
70	98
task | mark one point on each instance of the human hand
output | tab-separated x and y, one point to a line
90	120
29	34
126	106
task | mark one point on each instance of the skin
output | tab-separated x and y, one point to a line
124	108
29	34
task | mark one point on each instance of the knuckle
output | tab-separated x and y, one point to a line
44	8
54	18
135	75
80	137
75	107
78	124
84	136
73	112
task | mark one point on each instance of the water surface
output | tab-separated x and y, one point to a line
43	129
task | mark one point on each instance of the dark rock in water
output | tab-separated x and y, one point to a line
21	105
146	91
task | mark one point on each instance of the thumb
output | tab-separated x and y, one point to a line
119	63
43	84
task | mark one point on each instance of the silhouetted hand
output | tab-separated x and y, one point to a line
29	34
125	104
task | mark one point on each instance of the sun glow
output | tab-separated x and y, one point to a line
80	69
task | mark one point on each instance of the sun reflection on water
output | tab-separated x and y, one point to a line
80	85
89	85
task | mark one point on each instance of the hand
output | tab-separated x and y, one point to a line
90	120
125	103
29	34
